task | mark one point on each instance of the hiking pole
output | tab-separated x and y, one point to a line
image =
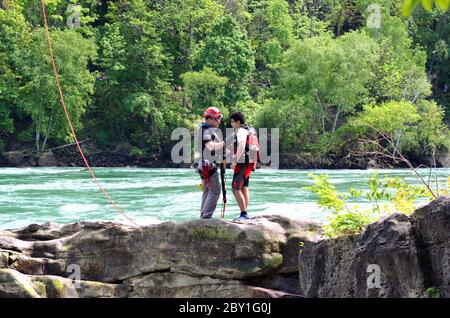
223	166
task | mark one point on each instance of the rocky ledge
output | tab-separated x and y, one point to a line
399	256
199	258
270	256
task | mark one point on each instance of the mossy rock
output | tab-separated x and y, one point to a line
56	287
40	288
213	233
15	284
3	260
272	260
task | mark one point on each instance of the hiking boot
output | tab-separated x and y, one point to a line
242	218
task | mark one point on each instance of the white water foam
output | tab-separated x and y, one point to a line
80	208
28	171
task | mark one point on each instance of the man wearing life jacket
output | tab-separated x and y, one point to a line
244	161
208	158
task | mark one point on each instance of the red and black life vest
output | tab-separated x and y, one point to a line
251	145
205	126
206	168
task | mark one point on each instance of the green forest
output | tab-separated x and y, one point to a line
337	77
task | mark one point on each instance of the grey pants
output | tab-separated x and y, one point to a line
210	196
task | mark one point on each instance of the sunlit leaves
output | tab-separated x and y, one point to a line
427	4
227	51
385	196
409	5
335	83
39	95
443	4
205	88
414	128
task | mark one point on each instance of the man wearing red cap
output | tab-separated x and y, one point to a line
207	160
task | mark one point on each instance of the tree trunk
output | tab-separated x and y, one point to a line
43	144
397	142
322	113
416	96
38	139
323	124
335	120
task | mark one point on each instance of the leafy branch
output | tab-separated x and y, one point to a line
409	5
345	219
395	155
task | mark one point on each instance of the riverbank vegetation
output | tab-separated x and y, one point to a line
384	196
334	76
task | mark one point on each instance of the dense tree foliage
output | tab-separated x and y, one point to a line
204	88
227	51
13	34
324	72
39	97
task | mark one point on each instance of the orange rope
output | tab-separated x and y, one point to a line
70	122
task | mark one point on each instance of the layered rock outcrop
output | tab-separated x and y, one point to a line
200	258
399	256
271	256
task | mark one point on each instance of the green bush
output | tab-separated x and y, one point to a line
430	132
204	89
415	129
250	109
387	196
136	152
434	292
347	223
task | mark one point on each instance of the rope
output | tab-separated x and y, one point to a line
70	122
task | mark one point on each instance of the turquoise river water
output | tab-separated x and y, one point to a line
39	195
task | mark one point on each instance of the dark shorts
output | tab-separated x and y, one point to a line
241	175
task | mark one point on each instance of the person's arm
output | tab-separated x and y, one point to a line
210	143
239	153
241	138
215	145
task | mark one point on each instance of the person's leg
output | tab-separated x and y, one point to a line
238	180
245	185
240	199
213	196
246	195
204	197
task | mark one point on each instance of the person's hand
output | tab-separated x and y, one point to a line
233	165
229	139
